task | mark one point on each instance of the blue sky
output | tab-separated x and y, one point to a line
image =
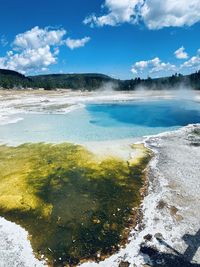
121	38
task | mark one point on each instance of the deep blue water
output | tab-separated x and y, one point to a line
147	114
98	122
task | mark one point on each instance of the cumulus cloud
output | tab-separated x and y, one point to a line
156	14
30	59
156	67
193	63
152	66
37	49
76	43
118	11
36	38
180	53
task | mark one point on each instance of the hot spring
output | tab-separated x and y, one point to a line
103	121
75	205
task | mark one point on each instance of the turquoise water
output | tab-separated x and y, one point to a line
107	121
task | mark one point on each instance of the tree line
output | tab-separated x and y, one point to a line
92	81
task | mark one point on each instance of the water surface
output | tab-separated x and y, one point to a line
103	121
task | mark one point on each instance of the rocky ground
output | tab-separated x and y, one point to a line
176	217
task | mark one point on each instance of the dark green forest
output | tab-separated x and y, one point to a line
94	81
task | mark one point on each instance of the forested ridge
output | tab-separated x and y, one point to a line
93	81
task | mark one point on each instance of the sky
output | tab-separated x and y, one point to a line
121	38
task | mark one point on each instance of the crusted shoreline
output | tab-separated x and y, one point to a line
168	234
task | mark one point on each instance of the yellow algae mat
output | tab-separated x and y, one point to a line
73	205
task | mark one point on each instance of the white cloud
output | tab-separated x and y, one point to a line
119	11
30	59
152	66
76	43
36	38
177	13
180	53
141	64
193	63
159	68
156	14
37	49
134	71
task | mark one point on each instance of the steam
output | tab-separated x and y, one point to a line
108	88
184	92
181	91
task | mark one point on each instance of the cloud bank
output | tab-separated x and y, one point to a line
152	66
156	66
193	63
35	50
119	11
155	14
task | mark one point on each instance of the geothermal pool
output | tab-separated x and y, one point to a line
74	205
102	121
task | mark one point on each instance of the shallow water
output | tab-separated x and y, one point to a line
72	205
103	121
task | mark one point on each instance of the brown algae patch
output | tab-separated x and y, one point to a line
73	206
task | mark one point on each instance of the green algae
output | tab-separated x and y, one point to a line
73	205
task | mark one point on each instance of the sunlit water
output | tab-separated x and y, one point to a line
103	121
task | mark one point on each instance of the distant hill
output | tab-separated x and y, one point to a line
94	81
88	81
10	79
